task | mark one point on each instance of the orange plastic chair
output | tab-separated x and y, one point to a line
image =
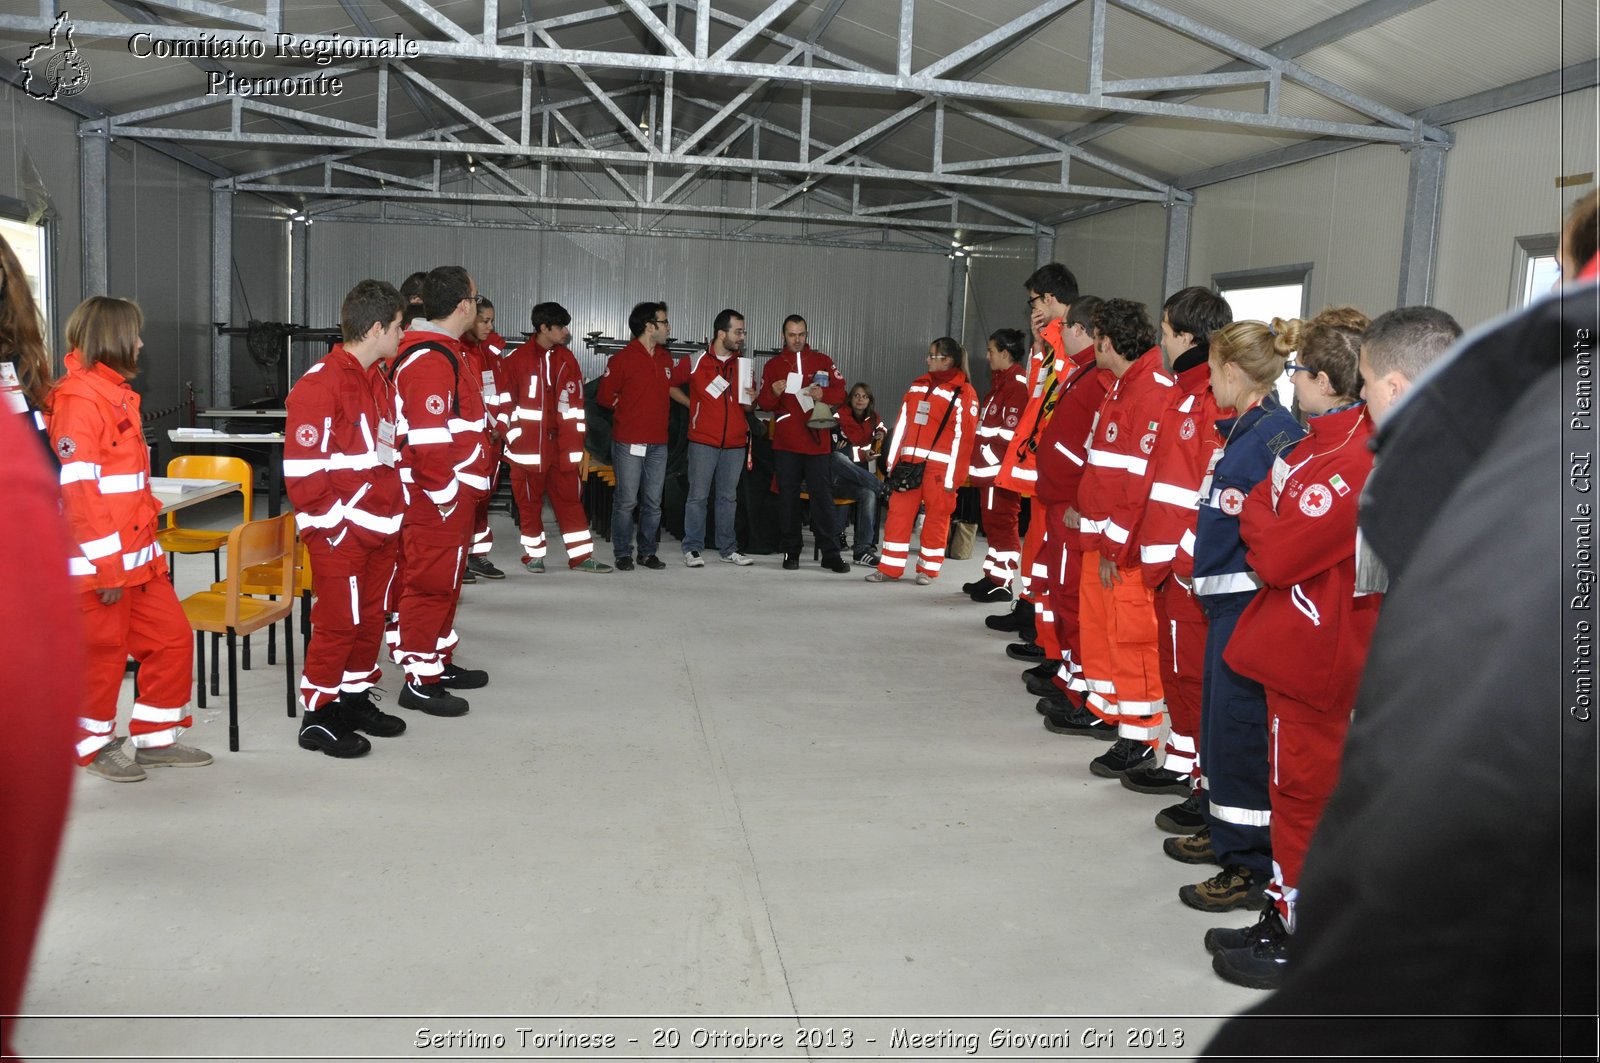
232	612
177	539
262	581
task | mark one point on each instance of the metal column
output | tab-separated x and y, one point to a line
1044	248
1175	264
956	303
220	392
94	154
1420	239
300	354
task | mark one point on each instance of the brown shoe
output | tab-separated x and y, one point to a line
1191	848
1230	889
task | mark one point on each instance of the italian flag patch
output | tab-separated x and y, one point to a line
1337	483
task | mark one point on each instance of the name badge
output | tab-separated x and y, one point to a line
717	387
386	452
638	450
923	409
488	384
11	388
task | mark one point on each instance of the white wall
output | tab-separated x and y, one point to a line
874	312
1344	214
1500	183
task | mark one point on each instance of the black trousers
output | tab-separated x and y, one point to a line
817	472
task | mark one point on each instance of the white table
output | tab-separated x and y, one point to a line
208	437
175	493
228	415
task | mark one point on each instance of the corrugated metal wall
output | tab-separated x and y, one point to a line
1500	183
873	311
39	165
1118	254
995	298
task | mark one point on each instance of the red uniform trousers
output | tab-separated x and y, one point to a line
1001	510
1063	567
1304	747
939	502
482	534
1030	557
531	484
433	553
1121	664
149	625
351	585
1183	659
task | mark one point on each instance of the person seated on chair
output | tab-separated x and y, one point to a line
857	452
129	607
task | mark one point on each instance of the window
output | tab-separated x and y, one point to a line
1263	294
29	243
1534	268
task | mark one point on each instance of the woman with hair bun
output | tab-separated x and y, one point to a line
1305	636
1245	366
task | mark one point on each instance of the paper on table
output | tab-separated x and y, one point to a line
176	485
796	385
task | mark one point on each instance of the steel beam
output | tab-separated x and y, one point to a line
1044	248
94	227
299	291
1041	13
1420	231
956	297
1175	262
221	386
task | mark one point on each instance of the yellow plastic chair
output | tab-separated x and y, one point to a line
231	612
262	581
177	539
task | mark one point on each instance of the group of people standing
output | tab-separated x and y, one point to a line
1188	586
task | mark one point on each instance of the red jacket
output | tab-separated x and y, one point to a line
714	420
1189	441
1064	441
789	430
488	366
859	435
635	386
341	479
1116	479
546	419
918	436
439	419
1018	470
105	478
1306	633
997	421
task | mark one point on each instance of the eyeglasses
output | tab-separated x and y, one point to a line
661	321
1295	367
477	300
940	357
1035	299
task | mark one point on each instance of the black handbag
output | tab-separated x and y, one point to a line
907	475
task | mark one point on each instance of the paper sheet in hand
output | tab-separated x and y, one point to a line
796	386
747	382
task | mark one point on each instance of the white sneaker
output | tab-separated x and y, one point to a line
736	558
693	560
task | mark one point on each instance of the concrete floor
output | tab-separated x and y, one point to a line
742	792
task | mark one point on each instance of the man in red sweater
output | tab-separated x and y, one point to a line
635	388
800	452
709	385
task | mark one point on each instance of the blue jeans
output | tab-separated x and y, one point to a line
639	482
851	478
708	466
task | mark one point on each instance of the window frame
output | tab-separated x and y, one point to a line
1269	277
15	210
1524	249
